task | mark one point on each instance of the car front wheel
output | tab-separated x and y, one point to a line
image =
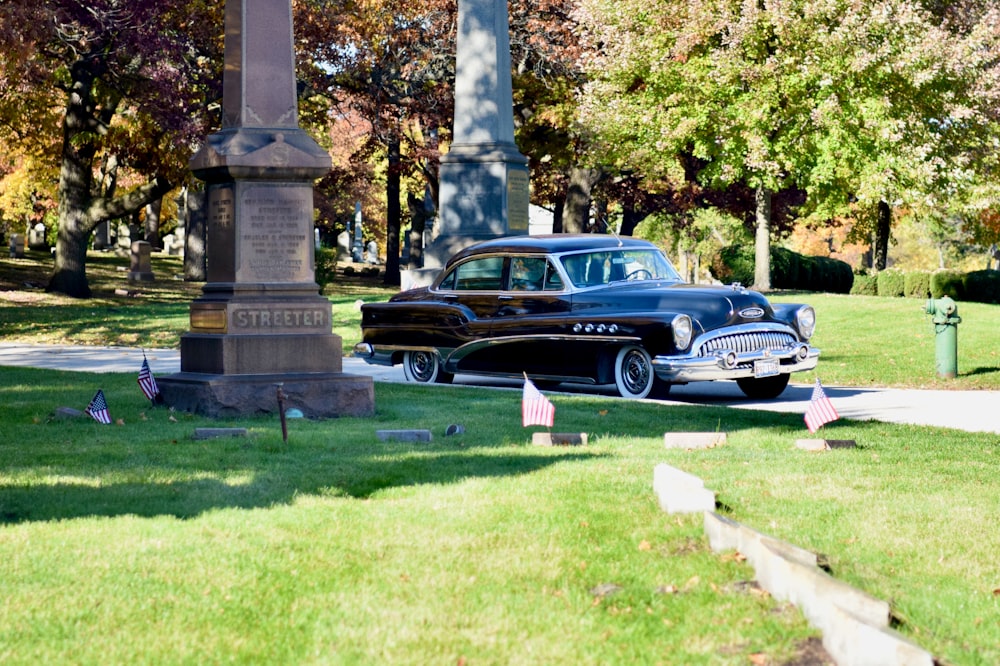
763	388
424	367
633	372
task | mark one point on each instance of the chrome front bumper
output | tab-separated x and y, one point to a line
728	364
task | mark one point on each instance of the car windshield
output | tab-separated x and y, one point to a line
588	269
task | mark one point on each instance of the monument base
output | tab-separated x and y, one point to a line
484	194
317	395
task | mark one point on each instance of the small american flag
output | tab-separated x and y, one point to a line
147	382
98	408
535	407
820	410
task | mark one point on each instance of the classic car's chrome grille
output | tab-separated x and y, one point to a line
747	342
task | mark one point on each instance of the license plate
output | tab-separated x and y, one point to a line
767	367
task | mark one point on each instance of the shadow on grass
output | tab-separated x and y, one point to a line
279	481
148	465
981	371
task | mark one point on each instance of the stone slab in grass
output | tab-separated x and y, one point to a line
680	492
68	413
855	625
559	439
213	433
693	440
405	435
825	444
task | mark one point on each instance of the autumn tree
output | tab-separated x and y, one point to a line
129	85
392	63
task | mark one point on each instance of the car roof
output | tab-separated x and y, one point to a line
551	243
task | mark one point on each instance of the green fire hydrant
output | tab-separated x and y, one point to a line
946	320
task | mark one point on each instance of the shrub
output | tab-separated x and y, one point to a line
865	285
983	286
891	283
917	284
326	267
734	263
948	282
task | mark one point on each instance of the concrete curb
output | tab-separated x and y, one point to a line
855	625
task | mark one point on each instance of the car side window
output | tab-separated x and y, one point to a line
586	270
553	282
527	273
475	275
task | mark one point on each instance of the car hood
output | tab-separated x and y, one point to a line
709	306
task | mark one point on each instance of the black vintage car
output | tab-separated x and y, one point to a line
587	309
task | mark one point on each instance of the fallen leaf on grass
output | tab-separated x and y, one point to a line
758	659
645	545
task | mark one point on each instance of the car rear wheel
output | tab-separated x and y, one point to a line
633	372
763	388
424	367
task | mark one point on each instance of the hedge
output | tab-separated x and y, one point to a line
789	270
891	283
865	285
983	286
950	283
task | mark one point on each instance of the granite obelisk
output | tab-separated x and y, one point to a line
483	177
260	321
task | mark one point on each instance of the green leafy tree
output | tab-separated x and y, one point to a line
854	102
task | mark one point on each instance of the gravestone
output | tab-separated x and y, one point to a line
17	246
140	268
357	253
102	236
483	176
36	237
260	322
344	246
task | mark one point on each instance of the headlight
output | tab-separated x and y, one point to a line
805	321
681	326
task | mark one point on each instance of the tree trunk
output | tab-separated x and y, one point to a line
152	235
420	210
576	215
393	218
629	217
762	241
80	209
883	228
557	216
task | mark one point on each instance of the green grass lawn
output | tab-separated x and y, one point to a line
135	543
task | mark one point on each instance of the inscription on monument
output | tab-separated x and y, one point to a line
278	317
221	221
275	234
517	200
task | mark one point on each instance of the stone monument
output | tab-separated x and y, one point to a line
140	265
260	323
484	178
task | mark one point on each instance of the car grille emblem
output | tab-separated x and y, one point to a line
752	313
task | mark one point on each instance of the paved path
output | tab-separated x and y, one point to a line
974	411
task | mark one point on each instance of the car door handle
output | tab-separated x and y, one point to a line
505	298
